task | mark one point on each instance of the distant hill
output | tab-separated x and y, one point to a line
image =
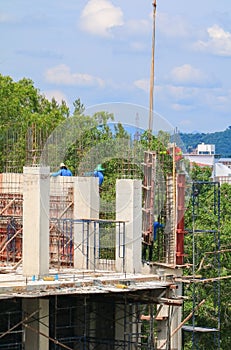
221	140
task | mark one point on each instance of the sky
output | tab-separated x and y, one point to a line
100	51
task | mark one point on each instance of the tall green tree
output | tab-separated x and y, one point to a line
208	257
25	113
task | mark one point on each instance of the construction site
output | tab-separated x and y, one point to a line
73	277
72	280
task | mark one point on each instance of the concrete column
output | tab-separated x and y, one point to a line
127	327
36	187
177	318
129	209
86	206
170	316
120	317
37	333
163	328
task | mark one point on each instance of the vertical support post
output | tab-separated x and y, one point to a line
120	320
86	206
36	187
34	338
176	338
168	319
129	209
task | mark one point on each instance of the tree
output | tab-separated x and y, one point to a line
79	107
201	173
208	252
25	114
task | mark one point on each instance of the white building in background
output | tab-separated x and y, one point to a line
204	149
225	161
221	173
203	155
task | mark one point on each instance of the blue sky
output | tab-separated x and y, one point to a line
100	51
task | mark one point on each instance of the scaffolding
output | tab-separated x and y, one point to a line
149	196
85	326
204	284
163	204
91	320
61	228
101	232
11	332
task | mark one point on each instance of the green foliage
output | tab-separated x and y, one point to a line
159	144
87	134
23	108
207	249
201	173
79	107
164	138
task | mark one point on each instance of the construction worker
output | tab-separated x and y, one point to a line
98	172
63	171
156	226
11	230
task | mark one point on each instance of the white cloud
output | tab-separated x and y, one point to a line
100	16
56	94
179	98
62	74
186	99
218	43
188	75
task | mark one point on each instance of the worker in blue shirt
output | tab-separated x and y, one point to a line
156	226
98	172
63	171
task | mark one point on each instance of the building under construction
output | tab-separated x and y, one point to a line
72	280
